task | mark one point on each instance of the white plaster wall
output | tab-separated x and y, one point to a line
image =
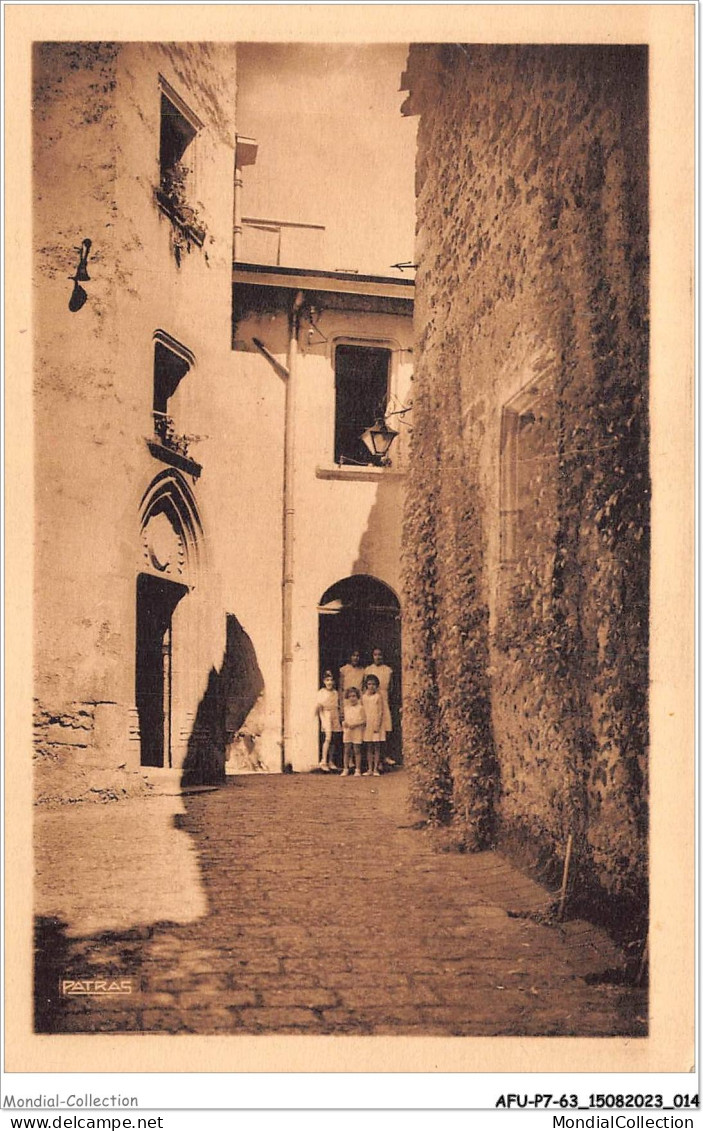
342	526
192	303
246	484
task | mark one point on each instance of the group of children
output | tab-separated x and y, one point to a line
359	711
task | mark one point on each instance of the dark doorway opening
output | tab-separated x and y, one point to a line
363	613
156	601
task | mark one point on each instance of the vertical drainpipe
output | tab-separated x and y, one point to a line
237	233
289	526
245	151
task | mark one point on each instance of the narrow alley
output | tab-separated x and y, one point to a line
327	913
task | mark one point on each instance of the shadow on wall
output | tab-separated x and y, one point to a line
379	556
379	546
230	695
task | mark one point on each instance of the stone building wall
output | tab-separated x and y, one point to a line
526	571
100	527
97	114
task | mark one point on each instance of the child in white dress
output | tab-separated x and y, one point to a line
327	708
374	733
353	725
384	675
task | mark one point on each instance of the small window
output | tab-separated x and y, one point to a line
361	398
171	364
176	135
169	371
178	130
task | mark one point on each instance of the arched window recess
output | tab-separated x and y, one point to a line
172	444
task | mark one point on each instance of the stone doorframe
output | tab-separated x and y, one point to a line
169	568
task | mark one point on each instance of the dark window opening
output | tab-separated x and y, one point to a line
176	190
169	371
176	135
170	368
361	398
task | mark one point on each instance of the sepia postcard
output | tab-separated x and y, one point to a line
350	538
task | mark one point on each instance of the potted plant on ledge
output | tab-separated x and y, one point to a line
172	198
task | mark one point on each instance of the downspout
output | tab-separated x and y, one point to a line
288	527
245	150
238	226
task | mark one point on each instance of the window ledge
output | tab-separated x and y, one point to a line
174	459
369	474
191	231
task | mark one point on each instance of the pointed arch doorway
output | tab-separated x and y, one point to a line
364	613
171	539
156	603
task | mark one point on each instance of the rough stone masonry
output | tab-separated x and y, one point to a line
527	521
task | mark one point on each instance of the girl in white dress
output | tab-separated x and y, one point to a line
327	708
374	733
384	675
353	725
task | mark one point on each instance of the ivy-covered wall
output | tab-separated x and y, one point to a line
526	528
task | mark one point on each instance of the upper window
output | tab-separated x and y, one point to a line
178	130
362	376
179	127
176	135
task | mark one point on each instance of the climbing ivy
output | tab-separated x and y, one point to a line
527	692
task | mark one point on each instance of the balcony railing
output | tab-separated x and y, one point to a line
275	228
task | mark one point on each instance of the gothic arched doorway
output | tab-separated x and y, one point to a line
170	535
364	613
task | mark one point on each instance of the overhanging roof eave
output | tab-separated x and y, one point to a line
343	282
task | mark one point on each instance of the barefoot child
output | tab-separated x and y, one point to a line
374	733
354	721
327	707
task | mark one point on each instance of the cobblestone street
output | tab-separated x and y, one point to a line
326	913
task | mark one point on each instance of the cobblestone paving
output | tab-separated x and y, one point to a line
328	913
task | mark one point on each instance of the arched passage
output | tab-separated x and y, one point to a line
363	613
170	548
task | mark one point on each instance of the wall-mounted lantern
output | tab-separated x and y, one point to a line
378	439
